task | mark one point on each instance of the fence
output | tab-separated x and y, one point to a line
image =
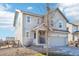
9	43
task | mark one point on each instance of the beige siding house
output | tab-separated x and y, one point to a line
76	33
31	28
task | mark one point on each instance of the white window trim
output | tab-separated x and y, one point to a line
27	19
28	34
60	22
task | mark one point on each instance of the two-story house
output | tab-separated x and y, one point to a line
72	36
31	28
76	33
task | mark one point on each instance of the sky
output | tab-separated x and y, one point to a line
7	11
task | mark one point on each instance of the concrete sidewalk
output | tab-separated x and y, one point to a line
74	51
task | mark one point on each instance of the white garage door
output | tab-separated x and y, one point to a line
57	41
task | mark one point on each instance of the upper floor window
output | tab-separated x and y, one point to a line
38	21
28	18
27	34
60	25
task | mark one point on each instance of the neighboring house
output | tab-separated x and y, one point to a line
73	36
31	28
76	33
10	38
72	28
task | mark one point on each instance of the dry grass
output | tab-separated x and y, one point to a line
19	52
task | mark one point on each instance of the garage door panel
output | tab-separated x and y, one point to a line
57	41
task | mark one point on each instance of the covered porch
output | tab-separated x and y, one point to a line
40	35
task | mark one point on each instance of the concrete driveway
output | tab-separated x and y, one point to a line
74	51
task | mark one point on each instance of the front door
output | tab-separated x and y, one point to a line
41	38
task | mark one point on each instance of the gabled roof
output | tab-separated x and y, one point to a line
50	28
65	17
62	15
27	13
31	13
39	26
37	15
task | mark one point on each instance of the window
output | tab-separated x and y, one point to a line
67	28
34	35
28	19
52	22
27	34
38	20
60	25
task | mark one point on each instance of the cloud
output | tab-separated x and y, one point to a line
67	4
29	8
6	17
71	10
4	7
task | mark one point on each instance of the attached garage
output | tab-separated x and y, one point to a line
57	39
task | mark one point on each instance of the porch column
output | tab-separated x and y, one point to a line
37	36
